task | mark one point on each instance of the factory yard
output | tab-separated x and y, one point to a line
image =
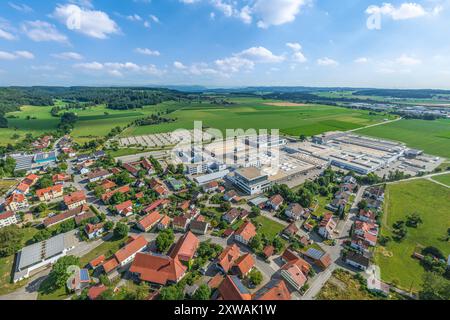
159	140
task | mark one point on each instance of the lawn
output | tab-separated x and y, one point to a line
5	185
269	227
430	201
431	136
343	286
445	179
107	248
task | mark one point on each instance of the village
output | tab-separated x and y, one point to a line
179	233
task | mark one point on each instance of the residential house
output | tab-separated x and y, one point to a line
367	231
75	200
290	231
320	258
294	211
107	196
108	185
16	202
275	202
147	165
127	254
327	226
357	260
293	275
94	231
149	221
367	216
26	184
158	204
180	223
227	258
50	193
232	289
274	290
95	292
8	218
199	227
184	205
164	223
230	196
211	187
245	233
175	184
268	251
125	209
61	178
97	175
231	216
131	169
185	248
243	265
360	244
80	214
96	262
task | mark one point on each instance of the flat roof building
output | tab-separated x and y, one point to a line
251	180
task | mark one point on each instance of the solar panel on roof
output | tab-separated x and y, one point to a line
242	289
314	253
84	275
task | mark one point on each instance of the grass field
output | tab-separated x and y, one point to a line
343	286
253	113
269	227
445	179
107	248
5	185
431	136
430	201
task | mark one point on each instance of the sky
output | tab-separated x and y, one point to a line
226	43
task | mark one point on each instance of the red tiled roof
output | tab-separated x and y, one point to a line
124	205
268	251
288	255
247	231
186	247
277	200
131	248
23	187
157	269
245	263
156	204
108	195
296	273
6	215
74	197
108	184
228	256
150	220
110	265
165	221
91	228
229	290
274	290
15	197
95	292
97	261
55	189
215	282
180	221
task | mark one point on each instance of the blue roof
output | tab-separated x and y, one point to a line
314	253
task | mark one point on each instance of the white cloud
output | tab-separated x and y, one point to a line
154	18
407	10
234	64
20	7
68	56
6	35
93	23
179	65
147	52
327	62
134	17
118	69
16	55
260	54
40	31
362	60
406	60
298	55
277	12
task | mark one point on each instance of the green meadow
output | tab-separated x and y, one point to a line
431	136
244	113
430	201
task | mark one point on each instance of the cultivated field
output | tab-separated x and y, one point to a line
445	179
430	201
431	136
5	185
245	113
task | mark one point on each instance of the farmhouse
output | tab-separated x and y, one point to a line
149	221
126	255
80	214
243	265
185	248
227	258
232	288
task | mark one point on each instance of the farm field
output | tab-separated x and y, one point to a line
257	114
430	201
245	113
431	136
445	179
5	185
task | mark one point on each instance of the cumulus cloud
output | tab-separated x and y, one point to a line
407	10
406	60
362	60
297	55
68	56
327	62
16	55
147	52
93	23
41	31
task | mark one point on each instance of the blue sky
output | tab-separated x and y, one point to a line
358	43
